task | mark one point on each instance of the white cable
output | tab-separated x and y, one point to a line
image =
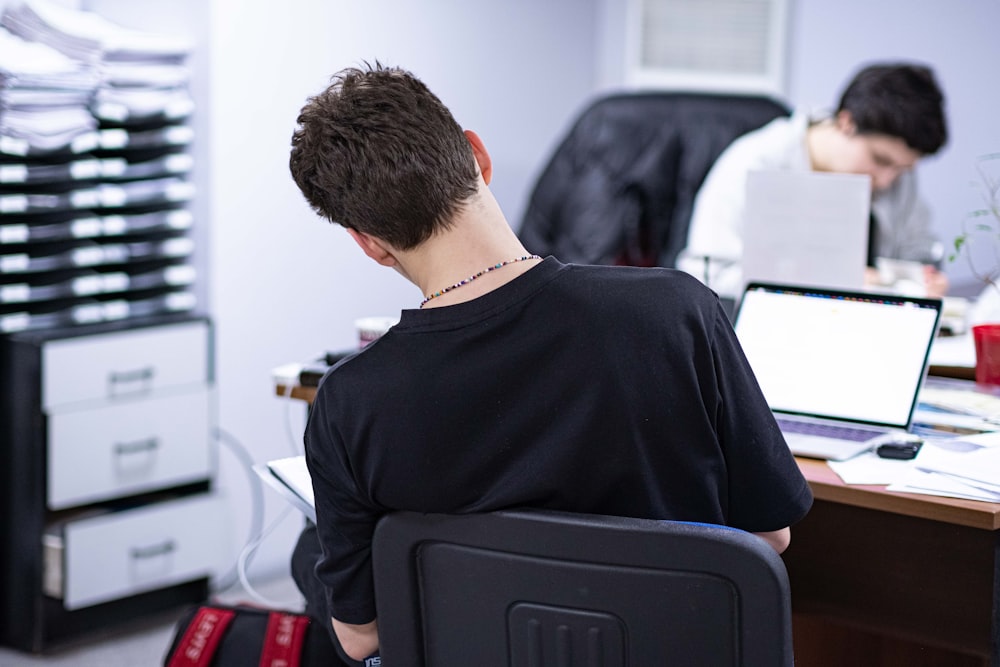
257	533
243	562
256	498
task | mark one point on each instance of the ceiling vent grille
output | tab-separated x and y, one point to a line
723	45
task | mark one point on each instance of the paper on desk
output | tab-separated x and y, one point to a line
965	444
936	420
962	401
966	467
966	460
290	477
870	468
933	484
956	351
979	465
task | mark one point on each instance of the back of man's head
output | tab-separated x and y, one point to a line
898	100
378	152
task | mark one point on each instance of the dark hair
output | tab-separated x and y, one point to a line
378	152
898	100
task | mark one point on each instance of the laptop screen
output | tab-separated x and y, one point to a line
843	355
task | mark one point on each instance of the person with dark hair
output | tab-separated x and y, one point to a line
517	381
889	117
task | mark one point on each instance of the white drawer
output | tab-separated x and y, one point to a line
123	553
124	364
129	446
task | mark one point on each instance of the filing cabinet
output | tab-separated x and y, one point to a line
107	462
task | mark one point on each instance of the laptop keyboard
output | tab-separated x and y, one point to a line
826	430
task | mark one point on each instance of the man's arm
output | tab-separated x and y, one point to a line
905	231
358	641
766	486
778	539
344	529
904	223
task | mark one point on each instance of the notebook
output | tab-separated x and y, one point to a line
806	228
848	364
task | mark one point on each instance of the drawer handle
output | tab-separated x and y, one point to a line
136	446
153	551
118	381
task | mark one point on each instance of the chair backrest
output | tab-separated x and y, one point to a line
620	187
550	589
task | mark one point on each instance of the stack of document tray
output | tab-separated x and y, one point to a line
95	171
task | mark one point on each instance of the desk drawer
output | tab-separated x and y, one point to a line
119	554
123	364
129	447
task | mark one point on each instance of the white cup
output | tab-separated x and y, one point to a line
372	328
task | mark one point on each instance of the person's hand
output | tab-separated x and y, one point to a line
935	282
872	277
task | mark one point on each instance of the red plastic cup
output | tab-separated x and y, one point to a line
987	340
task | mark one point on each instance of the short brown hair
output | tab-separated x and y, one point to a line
378	152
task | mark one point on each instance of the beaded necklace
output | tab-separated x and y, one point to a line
468	280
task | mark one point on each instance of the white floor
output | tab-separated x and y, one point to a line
146	647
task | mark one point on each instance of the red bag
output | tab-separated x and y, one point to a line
242	636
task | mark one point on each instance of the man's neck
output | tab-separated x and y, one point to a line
477	241
819	138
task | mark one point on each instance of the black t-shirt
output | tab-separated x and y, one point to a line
607	390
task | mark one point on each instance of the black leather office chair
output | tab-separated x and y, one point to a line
620	187
550	589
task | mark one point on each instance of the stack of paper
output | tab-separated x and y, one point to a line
94	135
88	36
143	75
965	467
960	467
44	99
962	400
957	406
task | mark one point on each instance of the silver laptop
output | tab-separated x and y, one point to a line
806	228
841	370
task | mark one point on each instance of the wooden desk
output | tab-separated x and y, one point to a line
296	391
884	578
887	579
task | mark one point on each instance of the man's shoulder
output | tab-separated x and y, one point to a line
630	275
347	369
648	287
769	146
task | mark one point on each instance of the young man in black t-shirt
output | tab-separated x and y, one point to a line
515	381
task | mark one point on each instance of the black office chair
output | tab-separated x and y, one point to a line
551	589
620	187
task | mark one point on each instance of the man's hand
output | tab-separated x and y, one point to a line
935	282
358	641
778	539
